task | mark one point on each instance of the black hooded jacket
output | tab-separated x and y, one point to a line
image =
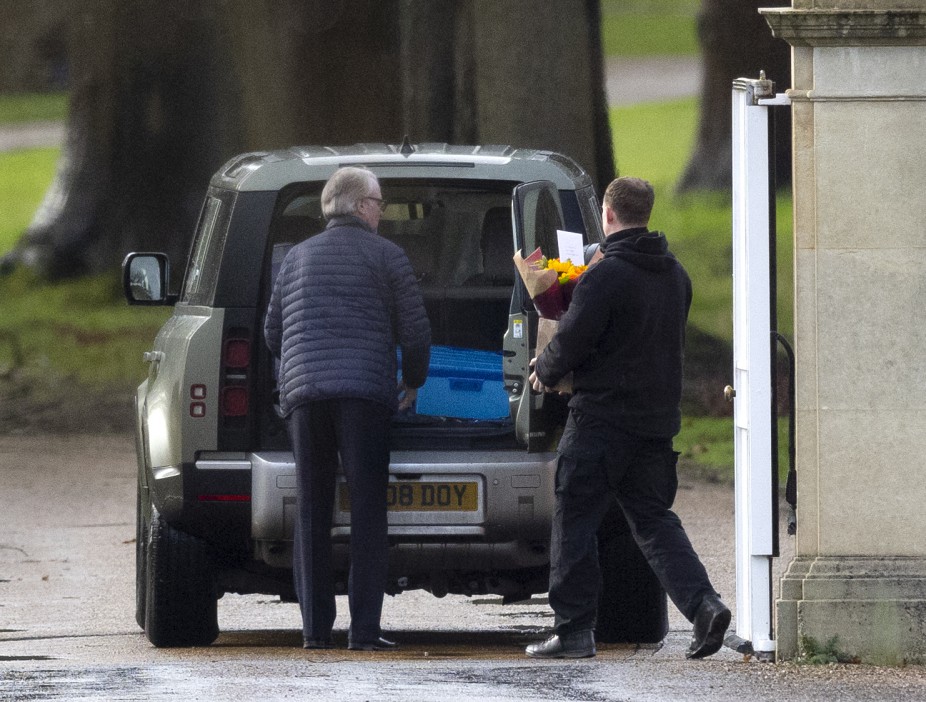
623	336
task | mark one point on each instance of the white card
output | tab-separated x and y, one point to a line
571	247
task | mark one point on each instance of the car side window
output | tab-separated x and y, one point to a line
591	215
203	269
539	215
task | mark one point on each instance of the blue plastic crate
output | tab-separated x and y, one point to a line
465	384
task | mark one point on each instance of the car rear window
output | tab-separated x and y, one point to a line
455	233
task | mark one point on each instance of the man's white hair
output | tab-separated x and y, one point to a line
345	189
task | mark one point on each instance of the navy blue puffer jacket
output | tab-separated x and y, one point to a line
341	302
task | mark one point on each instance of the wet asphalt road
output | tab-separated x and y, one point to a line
67	629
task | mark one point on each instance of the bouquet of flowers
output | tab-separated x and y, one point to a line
550	283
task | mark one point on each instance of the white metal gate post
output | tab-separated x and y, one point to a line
752	357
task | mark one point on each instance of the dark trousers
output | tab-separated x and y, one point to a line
359	431
598	463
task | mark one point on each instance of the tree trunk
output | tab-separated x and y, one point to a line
735	42
539	80
164	92
152	115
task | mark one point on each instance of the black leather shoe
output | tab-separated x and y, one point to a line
710	624
379	644
317	643
579	644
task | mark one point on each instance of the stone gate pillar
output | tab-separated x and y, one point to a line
859	143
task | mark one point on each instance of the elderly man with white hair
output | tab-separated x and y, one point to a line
342	302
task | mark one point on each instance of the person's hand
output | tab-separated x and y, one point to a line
534	380
407	397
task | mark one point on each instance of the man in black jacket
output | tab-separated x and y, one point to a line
341	302
623	338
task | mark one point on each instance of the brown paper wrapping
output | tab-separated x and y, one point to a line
550	300
546	328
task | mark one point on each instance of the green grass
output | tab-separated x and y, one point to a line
24	178
33	107
78	330
706	448
649	27
25	174
654	140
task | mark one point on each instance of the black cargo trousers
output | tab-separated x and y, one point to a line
596	464
359	430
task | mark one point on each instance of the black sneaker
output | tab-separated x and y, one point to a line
579	644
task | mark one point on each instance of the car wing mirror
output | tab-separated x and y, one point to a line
145	279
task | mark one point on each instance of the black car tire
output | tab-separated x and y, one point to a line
141	555
181	605
633	607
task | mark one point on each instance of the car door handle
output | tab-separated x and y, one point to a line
152	356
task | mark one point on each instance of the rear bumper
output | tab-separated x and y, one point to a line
508	529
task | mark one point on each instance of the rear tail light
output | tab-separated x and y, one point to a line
234	396
224	498
237	353
235	401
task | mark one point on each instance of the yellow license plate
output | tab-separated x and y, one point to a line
416	496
